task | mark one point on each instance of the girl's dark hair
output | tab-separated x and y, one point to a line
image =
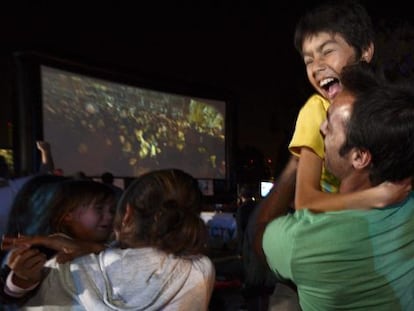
28	213
167	206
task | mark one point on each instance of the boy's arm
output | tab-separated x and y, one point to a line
309	194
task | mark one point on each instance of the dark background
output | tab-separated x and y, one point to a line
242	47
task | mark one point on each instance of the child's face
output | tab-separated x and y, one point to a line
325	55
91	223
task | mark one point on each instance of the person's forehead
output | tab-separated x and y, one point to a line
343	98
341	105
321	37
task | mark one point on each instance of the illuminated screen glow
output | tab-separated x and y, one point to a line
96	125
265	187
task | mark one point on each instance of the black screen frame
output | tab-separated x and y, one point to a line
28	118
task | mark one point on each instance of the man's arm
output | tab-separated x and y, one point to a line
276	203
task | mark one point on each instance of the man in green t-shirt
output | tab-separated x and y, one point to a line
356	259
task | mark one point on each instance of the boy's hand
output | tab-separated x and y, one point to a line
392	192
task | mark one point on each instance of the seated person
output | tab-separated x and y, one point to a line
158	262
48	204
355	259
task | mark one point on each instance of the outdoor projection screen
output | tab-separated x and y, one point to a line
96	125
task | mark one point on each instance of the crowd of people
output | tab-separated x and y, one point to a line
336	232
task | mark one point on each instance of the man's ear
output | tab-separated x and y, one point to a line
368	53
361	158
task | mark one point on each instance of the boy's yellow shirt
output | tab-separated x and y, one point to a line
307	134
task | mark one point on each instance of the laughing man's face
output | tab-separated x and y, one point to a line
334	131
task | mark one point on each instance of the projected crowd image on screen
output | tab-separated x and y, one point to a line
95	125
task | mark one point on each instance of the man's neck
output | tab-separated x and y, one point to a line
355	182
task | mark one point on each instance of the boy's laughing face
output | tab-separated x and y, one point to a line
324	55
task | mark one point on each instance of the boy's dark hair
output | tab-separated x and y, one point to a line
382	122
347	18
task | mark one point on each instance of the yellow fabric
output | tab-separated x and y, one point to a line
307	134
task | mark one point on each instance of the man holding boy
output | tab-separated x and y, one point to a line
328	37
356	259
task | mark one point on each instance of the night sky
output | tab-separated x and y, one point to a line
242	47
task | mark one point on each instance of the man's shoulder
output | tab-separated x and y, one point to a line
333	224
304	219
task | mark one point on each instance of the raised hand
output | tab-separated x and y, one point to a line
43	146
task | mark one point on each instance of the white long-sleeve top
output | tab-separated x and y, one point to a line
127	279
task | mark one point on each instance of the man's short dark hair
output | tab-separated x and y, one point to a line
382	122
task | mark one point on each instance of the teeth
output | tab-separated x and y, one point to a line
325	81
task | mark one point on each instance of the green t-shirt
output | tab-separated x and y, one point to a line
346	260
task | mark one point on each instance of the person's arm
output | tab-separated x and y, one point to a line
67	248
26	272
309	194
276	204
47	165
5	297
